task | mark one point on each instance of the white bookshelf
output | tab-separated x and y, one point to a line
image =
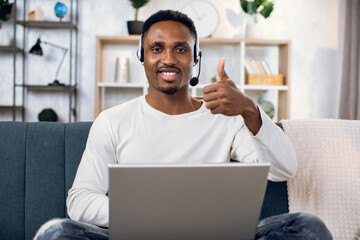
109	93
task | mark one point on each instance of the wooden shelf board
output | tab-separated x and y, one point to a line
263	42
266	87
120	85
10	49
133	39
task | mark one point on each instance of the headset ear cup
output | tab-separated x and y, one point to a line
142	54
196	49
140	50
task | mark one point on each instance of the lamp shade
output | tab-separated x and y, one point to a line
36	49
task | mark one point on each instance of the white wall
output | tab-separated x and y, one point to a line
311	25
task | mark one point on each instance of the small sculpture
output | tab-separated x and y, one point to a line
36	15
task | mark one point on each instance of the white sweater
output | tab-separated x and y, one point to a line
134	132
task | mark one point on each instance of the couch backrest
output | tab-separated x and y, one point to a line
38	163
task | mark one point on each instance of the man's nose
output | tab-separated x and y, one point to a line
169	58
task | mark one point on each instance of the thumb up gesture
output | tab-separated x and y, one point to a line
225	98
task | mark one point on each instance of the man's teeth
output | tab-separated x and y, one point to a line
169	73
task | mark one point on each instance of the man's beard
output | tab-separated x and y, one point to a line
169	90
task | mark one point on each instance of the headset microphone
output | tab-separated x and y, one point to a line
195	80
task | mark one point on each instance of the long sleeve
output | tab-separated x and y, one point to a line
271	145
87	200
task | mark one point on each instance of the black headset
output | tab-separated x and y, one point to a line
197	55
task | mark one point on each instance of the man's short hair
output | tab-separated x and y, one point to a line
169	15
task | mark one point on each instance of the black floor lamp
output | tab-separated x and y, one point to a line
37	50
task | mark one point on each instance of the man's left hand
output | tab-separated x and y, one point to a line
225	98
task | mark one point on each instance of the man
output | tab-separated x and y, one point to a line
169	126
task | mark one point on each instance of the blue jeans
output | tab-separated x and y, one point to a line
289	226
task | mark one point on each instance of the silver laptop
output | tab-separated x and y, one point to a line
186	201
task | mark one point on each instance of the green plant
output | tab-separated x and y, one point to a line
138	4
5	11
47	115
213	79
255	7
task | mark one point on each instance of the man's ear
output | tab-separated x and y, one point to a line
196	62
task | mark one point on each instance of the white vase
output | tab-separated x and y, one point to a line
4	38
254	31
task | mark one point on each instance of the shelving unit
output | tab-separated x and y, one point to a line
24	83
109	93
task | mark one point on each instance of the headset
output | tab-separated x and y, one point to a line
197	56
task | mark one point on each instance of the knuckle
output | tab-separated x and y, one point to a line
222	94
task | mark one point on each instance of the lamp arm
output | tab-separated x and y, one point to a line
61	62
55	46
65	50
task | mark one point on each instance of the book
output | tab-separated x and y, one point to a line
254	66
248	67
266	67
259	66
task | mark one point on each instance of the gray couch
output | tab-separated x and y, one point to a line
38	165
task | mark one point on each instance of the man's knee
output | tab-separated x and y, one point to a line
314	224
54	228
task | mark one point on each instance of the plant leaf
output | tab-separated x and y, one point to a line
267	10
138	3
258	3
5	10
248	7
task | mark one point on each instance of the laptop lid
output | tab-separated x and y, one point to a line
186	201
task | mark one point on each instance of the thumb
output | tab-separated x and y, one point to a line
221	70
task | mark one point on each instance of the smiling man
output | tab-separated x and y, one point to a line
168	62
169	126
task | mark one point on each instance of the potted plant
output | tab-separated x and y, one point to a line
135	27
254	8
5	12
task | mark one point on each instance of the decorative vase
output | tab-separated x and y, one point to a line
60	10
254	31
135	27
4	38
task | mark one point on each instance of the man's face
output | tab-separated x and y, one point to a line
168	56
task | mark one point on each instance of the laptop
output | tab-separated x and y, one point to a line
186	201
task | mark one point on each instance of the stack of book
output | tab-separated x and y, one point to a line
259	73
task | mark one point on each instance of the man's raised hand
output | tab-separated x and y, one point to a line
225	98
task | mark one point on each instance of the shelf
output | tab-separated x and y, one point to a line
22	85
10	49
265	43
266	87
134	39
10	107
47	87
46	24
120	85
106	46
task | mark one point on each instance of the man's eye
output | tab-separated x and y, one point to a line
181	50
156	49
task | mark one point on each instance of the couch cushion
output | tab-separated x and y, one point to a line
75	140
12	172
45	175
276	199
